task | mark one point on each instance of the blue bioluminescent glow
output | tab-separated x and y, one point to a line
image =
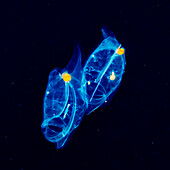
103	71
64	106
71	92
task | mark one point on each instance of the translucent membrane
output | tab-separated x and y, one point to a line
73	91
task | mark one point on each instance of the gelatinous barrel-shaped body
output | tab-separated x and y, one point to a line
72	91
103	71
64	106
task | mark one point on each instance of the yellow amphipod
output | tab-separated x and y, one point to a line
66	77
112	76
120	51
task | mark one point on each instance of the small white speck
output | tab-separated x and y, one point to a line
60	75
10	158
48	92
125	21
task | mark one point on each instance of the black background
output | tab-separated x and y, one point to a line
132	132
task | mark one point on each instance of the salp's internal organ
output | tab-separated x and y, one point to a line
103	71
71	92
